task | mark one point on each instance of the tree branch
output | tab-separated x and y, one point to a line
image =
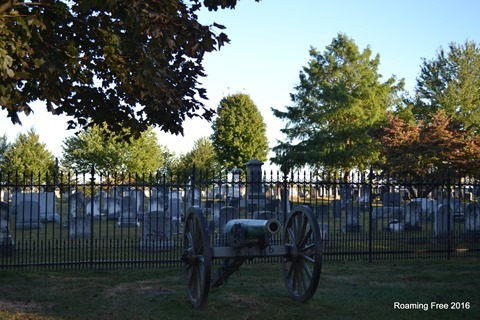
12	3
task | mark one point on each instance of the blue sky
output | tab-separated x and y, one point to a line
269	46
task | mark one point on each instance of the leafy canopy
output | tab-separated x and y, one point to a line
427	150
202	155
339	100
111	154
451	82
239	132
131	64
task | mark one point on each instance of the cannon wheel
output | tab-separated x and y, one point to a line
197	257
302	266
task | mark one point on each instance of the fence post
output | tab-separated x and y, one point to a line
370	216
192	184
92	193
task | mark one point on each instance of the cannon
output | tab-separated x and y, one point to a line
246	239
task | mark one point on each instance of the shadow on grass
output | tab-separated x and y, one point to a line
353	290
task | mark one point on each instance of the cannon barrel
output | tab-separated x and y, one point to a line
253	227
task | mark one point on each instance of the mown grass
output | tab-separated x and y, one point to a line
353	290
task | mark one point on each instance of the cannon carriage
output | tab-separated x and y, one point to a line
246	239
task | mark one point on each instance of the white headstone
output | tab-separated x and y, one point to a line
194	197
412	215
156	232
78	222
95	203
472	217
443	221
47	204
128	216
175	209
28	215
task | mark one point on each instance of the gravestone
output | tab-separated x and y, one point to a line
156	232
389	213
215	216
352	221
273	205
346	194
263	215
158	200
322	210
226	214
412	215
79	224
443	221
95	202
395	226
457	208
472	218
47	204
4	196
28	215
285	204
194	197
364	197
114	204
429	206
255	194
128	216
138	196
336	208
175	208
4	219
7	246
391	199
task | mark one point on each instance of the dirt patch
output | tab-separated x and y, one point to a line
138	287
20	306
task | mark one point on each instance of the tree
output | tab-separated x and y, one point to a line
28	158
340	99
429	150
450	82
4	145
110	153
202	155
132	64
239	132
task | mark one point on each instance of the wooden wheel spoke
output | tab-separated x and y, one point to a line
305	238
197	257
303	265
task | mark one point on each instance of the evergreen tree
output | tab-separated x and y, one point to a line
239	132
28	158
339	100
4	145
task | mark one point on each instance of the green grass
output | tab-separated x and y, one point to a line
354	290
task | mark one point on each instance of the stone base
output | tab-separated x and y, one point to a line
128	222
50	217
28	225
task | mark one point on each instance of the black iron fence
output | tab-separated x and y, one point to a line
67	221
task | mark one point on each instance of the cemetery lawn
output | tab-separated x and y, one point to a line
349	290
